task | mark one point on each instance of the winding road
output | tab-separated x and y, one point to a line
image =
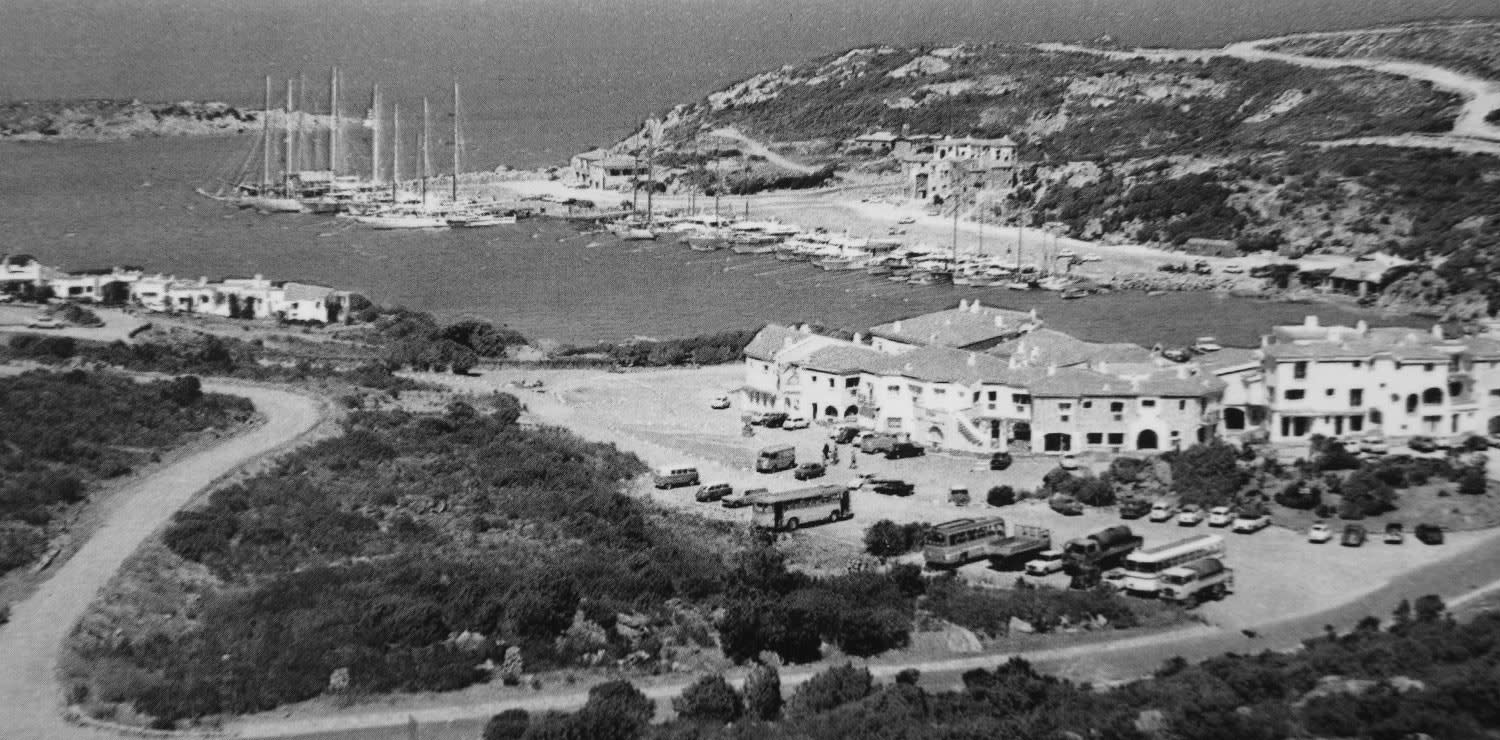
31	701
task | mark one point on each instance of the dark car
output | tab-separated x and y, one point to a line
774	420
1177	354
1066	505
1354	535
1429	534
1422	443
904	449
712	492
1395	534
809	470
892	487
845	435
1000	461
1134	508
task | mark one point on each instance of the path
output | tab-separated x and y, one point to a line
1470	131
30	696
751	146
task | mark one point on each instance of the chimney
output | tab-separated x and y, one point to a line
974	305
1310	322
1265	341
972	360
999	321
259	277
1362	327
203	280
963	305
1437	331
859	338
1103	367
896	327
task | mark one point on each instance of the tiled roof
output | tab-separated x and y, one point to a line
956	327
770	340
844	359
1076	381
1045	347
1227	358
946	365
1342	342
306	292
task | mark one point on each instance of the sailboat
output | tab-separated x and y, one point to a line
474	216
401	215
266	195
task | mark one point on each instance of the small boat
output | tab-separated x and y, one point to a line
1074	294
1019	285
1155	293
638	234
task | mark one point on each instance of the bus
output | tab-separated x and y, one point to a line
788	510
962	541
1143	568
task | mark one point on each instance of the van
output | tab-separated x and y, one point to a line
776	458
672	476
876	443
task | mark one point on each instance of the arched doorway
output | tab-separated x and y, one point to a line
851	413
1146	440
830	413
934	437
1432	396
1494	425
1411	404
1057	442
1234	419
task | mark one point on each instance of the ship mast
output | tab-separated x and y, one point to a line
426	163
265	135
333	127
375	138
457	141
302	163
286	172
395	150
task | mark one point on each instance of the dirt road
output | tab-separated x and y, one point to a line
31	702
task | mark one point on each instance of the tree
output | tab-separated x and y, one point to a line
183	391
1365	494
615	710
1001	496
831	688
1207	474
763	693
885	539
1429	608
510	724
710	699
1473	482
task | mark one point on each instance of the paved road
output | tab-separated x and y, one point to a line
30	698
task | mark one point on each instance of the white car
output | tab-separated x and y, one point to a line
1161	511
1045	563
722	402
6	298
906	220
1220	516
1374	444
796	422
1247	524
1190	516
1233	269
1319	533
45	322
1207	344
1068	462
860	480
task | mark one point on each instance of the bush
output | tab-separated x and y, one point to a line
1365	493
1299	494
763	693
885	539
1473	482
709	699
830	689
510	724
1001	496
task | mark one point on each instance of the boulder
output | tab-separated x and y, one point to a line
1018	625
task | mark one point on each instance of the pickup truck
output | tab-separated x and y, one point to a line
1196	581
1023	542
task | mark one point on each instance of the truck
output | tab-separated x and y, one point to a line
961	541
1100	549
776	458
1191	583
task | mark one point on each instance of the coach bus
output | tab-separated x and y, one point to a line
788	510
1143	568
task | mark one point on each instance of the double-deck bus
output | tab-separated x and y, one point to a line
788	510
1143	568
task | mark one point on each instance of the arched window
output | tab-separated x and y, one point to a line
1234	418
831	413
1146	440
1432	396
851	412
1411	404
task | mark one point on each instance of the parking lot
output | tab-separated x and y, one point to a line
665	417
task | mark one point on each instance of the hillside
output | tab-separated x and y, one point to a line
1473	48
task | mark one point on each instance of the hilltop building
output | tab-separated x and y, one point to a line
603	169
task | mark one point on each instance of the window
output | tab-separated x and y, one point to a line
993	395
1182	405
1299	370
1358	364
1088	404
1020	398
851	382
976	396
939	391
1065	418
830	381
1064	406
1295	394
1116	438
1328	392
893	388
1116	407
1427	368
1094	438
916	390
1356	397
1148	403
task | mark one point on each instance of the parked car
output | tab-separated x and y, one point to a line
1068	461
722	402
809	470
1190	516
737	500
1247	523
1162	511
903	450
1113	579
873	442
712	492
1319	533
1395	534
1177	354
6	298
44	322
796	422
757	418
1374	444
1429	534
1422	443
860	480
1046	562
1000	461
774	420
1220	516
1065	505
892	487
1354	535
843	435
1206	344
1134	508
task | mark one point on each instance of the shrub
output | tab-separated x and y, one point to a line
710	699
885	538
831	688
1001	496
1473	482
1364	492
1299	494
510	724
763	693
